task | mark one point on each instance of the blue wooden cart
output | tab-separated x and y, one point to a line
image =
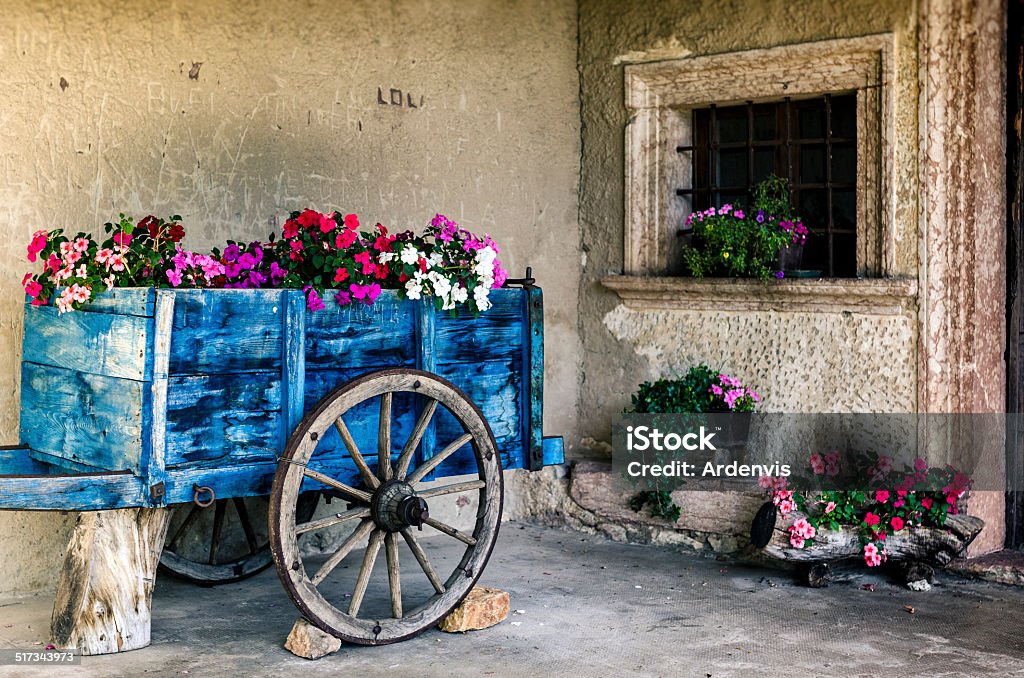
158	397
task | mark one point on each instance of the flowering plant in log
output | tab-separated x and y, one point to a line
315	253
894	499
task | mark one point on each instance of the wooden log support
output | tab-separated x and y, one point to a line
104	594
937	545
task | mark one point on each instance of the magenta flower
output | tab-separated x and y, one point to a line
231	252
37	244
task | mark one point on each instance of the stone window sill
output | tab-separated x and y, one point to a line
871	296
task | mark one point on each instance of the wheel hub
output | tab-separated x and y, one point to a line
395	506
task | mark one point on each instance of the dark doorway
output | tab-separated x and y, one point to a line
1015	271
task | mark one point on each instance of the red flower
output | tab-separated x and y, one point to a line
151	224
364	258
871	519
383	242
351	222
882	496
345	240
123	238
291	228
381	272
897	523
402	277
926	502
423	265
309	219
340	275
326	224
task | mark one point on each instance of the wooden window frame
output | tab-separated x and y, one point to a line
660	98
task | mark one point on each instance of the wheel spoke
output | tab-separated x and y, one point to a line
218	525
185	526
332	520
421	558
432	463
346	547
402	466
384	437
452	489
336	484
357	456
369	558
450	531
394	578
243	517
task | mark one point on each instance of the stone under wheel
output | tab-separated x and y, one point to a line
389	506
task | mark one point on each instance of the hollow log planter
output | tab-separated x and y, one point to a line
932	545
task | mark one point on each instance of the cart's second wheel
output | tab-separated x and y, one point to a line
390	508
224	542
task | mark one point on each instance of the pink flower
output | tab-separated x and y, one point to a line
803	528
786	506
871	555
882	496
830	507
884	465
765	482
345	240
926	503
351	222
871	519
716	389
174	276
37	244
122	238
33	288
817	464
327	224
897	523
81	244
920	464
796	540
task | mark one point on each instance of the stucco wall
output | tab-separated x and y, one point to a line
799	361
285	114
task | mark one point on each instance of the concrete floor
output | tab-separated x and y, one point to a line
593	608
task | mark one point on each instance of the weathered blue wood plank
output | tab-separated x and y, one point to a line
223	418
86	418
495	387
238	480
554	450
533	406
293	368
97	343
227	331
362	422
62	466
19	460
496	334
75	492
154	433
358	336
124	301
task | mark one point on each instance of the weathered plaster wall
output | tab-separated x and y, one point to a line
284	114
799	361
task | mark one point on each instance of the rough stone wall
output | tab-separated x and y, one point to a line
102	114
799	361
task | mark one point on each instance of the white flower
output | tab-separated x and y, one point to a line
413	289
486	255
459	295
480	297
434	260
385	257
410	255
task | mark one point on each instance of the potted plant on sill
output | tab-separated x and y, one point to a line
766	242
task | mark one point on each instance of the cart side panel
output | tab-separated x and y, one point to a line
86	418
224	392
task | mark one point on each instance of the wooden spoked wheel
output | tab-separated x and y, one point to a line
391	507
222	543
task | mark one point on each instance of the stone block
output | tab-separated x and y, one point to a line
309	642
482	608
